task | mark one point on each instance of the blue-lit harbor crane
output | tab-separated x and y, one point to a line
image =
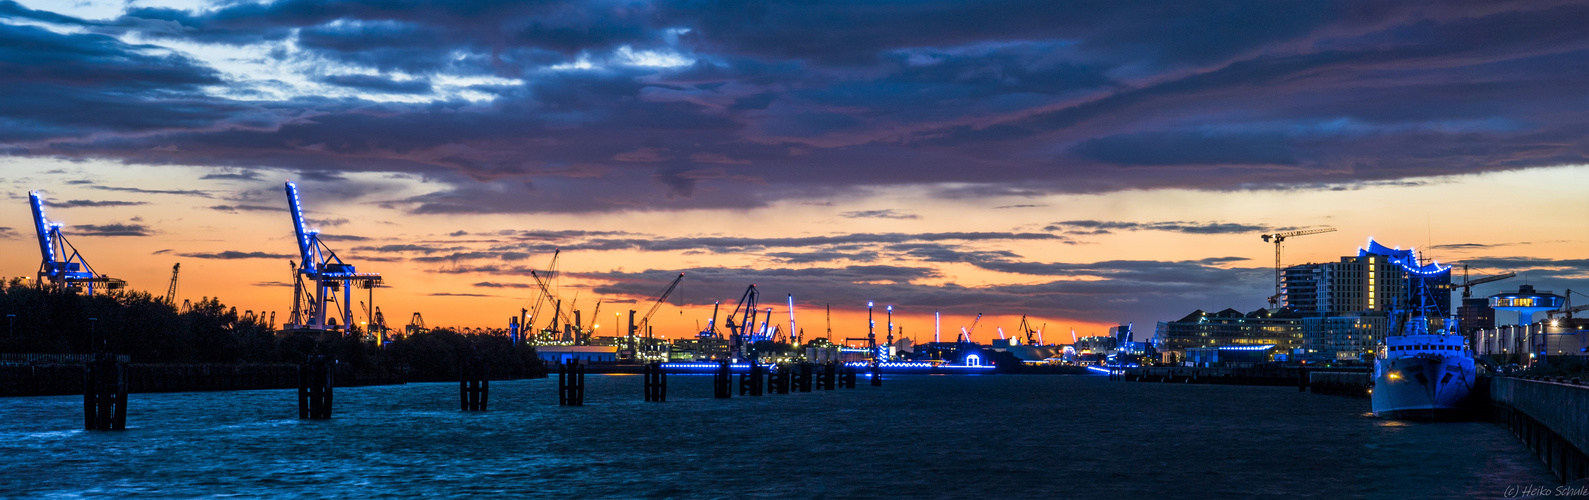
742	332
60	270
333	280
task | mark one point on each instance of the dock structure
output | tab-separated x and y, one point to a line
800	381
104	393
778	380
316	378
826	375
750	383
847	377
721	381
571	383
656	383
474	389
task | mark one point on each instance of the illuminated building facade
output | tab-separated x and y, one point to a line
1280	329
1349	304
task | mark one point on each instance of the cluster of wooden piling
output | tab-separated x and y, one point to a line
571	383
656	383
105	382
316	379
474	389
105	393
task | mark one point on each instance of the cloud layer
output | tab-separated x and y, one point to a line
601	106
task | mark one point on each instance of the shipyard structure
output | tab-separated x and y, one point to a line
1326	312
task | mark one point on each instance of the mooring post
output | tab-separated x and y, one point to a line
721	381
104	393
750	383
1302	380
315	381
785	377
849	377
656	383
473	389
830	375
877	375
570	383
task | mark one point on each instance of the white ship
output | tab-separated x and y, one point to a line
1421	374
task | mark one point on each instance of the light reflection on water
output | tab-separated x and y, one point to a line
928	436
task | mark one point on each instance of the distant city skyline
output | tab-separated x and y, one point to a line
1083	166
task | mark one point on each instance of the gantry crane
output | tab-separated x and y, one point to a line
322	266
1467	284
1027	329
740	330
416	324
171	291
1278	238
58	269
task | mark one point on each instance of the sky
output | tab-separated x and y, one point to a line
1083	164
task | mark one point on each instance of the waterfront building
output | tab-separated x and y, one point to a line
583	353
1475	314
1122	333
1523	344
1281	330
1230	355
1349	303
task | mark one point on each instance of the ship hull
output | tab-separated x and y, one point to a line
1422	387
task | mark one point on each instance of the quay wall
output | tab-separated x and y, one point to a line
1551	416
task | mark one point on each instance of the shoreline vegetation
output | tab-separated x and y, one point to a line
208	334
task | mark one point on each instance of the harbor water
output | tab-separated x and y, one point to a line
964	436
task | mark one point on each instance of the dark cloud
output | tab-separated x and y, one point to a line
241	175
8	233
116	229
1139	291
456	256
94	203
974	99
878	214
234	255
378	84
448	294
183	192
247	208
1106	227
489	284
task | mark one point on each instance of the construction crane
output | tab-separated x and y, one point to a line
322	266
546	291
1278	238
1467	284
58	269
171	291
1567	308
661	299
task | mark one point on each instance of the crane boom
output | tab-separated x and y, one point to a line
1277	238
547	291
646	320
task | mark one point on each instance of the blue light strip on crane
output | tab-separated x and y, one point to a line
42	226
305	248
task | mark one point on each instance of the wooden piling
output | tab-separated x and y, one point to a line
104	393
474	390
877	375
721	381
847	377
656	383
571	383
750	383
316	378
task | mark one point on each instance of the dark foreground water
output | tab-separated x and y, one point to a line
918	436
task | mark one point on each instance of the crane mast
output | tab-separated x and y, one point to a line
171	291
1277	238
